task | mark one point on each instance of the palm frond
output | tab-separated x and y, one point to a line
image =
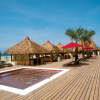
72	34
91	33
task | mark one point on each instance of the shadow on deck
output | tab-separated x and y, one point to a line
73	64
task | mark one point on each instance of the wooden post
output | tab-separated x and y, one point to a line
11	57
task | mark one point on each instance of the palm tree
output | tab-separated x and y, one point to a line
73	34
85	36
80	34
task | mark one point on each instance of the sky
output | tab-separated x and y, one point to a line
44	20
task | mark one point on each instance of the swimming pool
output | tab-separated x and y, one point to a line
26	79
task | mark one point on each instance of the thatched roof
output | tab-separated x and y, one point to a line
59	45
80	48
51	47
92	44
65	50
26	47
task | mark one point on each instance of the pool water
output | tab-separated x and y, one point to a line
25	77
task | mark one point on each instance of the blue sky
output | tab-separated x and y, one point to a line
46	20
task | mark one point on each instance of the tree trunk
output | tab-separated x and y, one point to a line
83	53
76	55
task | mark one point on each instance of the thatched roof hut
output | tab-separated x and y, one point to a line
80	48
26	47
59	45
92	44
51	47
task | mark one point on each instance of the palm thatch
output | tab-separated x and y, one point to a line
59	45
26	47
80	48
51	47
92	44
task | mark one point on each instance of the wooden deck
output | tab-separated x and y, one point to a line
81	83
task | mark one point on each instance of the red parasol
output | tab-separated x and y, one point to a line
72	45
88	48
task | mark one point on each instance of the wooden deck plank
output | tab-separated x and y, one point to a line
67	87
83	90
80	89
82	83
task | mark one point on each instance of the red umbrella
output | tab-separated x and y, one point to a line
72	45
88	48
